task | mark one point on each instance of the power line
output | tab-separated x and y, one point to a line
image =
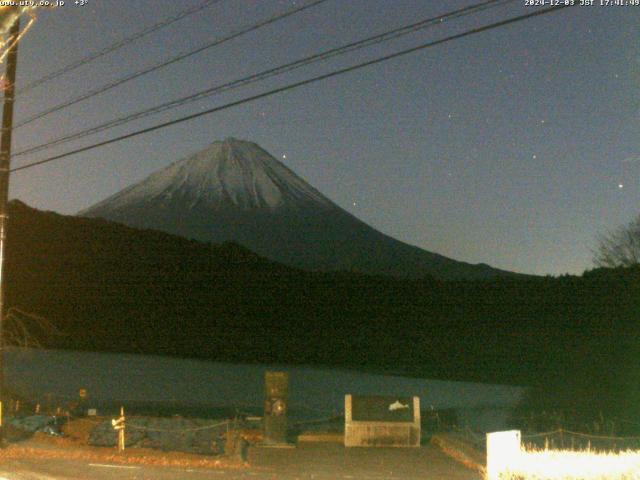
232	85
291	86
170	61
119	44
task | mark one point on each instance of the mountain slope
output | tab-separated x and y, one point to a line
236	191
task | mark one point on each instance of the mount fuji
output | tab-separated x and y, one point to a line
236	191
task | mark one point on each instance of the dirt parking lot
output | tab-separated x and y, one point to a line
318	461
333	461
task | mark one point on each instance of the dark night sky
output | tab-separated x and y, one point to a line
514	147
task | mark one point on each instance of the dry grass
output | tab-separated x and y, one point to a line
536	464
252	436
574	465
74	446
137	456
80	429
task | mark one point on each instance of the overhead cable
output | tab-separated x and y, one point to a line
294	85
271	72
117	45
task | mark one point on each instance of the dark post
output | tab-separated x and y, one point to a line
5	165
275	407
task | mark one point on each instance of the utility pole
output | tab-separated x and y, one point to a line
5	165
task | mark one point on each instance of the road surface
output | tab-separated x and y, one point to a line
318	461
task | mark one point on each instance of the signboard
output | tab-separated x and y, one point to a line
372	408
381	421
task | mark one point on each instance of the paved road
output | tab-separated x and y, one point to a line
317	461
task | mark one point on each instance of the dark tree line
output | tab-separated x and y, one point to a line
110	288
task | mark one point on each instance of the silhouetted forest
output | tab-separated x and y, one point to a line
108	287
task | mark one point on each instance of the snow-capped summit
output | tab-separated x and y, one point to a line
229	173
236	191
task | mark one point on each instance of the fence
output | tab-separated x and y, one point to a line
165	425
558	439
562	439
176	434
510	455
